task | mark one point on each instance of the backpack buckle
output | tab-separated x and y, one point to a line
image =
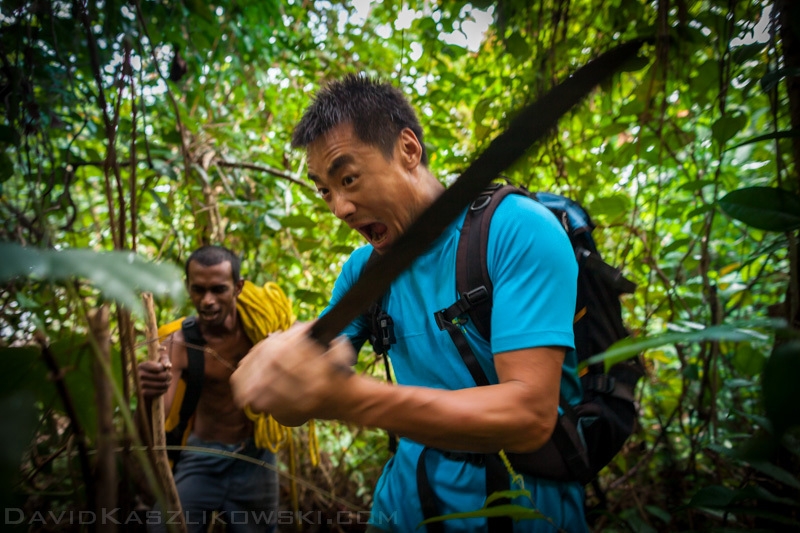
443	318
480	202
382	334
475	296
455	313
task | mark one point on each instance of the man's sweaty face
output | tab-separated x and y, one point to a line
373	195
212	292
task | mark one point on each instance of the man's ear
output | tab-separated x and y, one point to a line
237	288
409	148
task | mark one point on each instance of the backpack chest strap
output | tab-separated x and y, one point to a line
467	301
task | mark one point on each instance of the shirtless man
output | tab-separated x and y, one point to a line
245	496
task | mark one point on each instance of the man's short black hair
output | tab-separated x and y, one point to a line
377	110
210	255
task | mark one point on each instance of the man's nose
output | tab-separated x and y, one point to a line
207	299
342	207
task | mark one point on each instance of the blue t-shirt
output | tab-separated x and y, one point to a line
534	275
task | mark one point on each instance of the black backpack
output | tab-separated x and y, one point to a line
587	436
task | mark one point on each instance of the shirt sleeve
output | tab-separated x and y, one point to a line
534	274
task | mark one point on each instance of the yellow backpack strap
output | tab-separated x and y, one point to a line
170	328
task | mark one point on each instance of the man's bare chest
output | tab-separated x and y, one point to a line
222	358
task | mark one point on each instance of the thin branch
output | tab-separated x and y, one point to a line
111	156
221	163
173	101
128	68
143	101
261	168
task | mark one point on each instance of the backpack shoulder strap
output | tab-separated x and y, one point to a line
195	370
472	270
473	286
192	378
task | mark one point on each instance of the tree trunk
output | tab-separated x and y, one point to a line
106	469
788	16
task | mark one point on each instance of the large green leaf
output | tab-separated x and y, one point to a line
8	135
777	473
765	208
508	494
726	127
6	167
118	275
312	297
516	512
23	370
17	425
747	52
771	78
611	206
630	347
737	501
297	221
787	134
518	47
480	110
779	383
747	360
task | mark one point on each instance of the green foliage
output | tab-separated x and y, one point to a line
630	347
781	393
516	512
18	424
143	129
765	208
724	500
118	275
26	371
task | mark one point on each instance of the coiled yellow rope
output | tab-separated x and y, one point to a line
262	311
313	443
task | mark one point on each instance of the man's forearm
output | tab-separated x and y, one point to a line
479	419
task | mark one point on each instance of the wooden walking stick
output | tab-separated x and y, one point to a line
159	437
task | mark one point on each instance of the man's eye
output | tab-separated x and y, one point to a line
322	192
347	180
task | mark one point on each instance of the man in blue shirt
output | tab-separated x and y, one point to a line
367	160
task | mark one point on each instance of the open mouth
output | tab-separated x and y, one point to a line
208	315
376	233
